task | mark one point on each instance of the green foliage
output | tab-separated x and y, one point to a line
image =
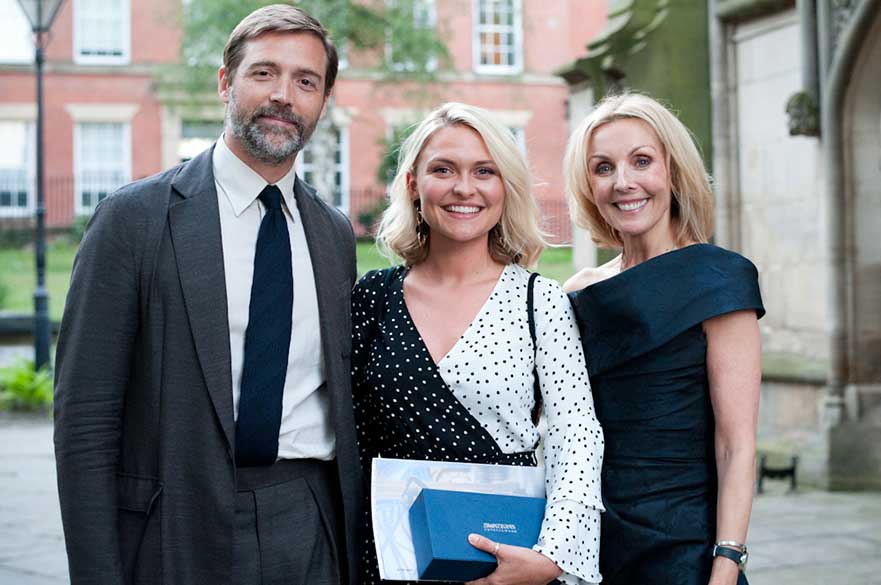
368	218
78	228
23	388
391	147
4	294
413	48
16	237
352	24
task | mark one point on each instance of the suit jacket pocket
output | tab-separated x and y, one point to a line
139	506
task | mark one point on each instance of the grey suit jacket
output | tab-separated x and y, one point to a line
143	400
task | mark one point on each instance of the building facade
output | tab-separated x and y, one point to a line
102	118
793	144
107	123
797	134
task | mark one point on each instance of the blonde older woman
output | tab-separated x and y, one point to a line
444	363
675	363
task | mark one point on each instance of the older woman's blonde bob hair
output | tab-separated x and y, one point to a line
516	238
692	198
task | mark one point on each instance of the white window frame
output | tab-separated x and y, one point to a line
343	168
195	144
79	208
16	34
122	59
430	24
516	29
30	170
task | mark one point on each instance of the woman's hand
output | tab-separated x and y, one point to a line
517	565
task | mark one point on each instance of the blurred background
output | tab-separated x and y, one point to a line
783	97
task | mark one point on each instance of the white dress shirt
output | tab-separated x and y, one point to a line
306	430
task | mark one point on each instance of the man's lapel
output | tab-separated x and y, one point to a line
195	231
318	229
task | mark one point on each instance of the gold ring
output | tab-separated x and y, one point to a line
496	549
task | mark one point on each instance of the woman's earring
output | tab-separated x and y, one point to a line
421	226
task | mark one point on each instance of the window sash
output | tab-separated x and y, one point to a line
102	31
17	45
497	36
103	159
306	169
17	168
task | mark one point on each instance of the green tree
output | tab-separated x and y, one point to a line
403	40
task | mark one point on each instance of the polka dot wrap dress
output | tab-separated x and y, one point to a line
476	404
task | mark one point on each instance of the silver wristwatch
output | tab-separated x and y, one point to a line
726	549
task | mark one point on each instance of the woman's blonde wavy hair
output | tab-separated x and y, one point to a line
516	239
692	197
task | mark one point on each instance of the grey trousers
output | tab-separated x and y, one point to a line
287	528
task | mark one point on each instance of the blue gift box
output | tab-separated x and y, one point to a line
441	520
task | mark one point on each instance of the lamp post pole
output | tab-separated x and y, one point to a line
40	13
41	295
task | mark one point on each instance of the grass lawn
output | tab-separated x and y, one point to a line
17	273
18	278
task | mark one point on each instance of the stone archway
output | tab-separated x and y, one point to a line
854	458
861	133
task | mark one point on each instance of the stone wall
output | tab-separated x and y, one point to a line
781	223
790	424
862	162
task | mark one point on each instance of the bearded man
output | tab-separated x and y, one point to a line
203	409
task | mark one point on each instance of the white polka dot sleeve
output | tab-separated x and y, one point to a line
570	533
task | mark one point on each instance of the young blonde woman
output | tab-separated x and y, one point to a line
444	362
671	324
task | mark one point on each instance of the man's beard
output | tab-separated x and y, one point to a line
255	137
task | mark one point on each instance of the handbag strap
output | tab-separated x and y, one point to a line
530	311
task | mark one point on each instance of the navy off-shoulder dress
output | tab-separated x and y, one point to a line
646	358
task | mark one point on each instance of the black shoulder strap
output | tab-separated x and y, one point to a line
530	288
530	311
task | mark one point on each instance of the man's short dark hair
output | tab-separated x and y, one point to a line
278	18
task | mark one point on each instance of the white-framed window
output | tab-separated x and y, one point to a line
498	36
102	161
306	169
17	162
196	136
16	43
424	18
102	32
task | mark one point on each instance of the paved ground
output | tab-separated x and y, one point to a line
13	353
807	538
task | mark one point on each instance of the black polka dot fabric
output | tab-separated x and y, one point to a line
475	405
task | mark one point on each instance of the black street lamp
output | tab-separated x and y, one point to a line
40	14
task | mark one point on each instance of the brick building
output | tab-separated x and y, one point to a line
107	123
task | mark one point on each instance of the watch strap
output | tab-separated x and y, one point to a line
729	553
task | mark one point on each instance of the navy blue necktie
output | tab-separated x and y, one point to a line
267	339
